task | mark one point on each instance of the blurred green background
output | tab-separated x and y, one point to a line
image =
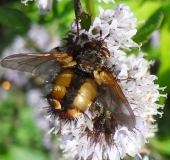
23	128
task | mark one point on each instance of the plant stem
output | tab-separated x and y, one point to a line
77	9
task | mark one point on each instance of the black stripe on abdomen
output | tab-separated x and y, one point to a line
72	92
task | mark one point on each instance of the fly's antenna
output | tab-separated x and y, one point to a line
102	39
102	44
100	35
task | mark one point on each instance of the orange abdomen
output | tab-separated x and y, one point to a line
71	95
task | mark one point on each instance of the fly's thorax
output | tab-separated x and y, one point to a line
91	59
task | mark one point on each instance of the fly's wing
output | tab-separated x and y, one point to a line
46	63
111	97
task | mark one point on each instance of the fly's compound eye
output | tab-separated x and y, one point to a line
106	52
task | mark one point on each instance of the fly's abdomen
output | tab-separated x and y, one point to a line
71	95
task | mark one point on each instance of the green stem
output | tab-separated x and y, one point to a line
90	8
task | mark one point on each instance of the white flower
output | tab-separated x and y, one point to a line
44	5
25	1
119	23
145	157
106	1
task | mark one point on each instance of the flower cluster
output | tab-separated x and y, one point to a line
93	135
119	23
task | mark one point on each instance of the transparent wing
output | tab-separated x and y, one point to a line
46	63
112	98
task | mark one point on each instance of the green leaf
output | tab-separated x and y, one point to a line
161	145
14	19
90	7
19	153
85	21
164	71
152	24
